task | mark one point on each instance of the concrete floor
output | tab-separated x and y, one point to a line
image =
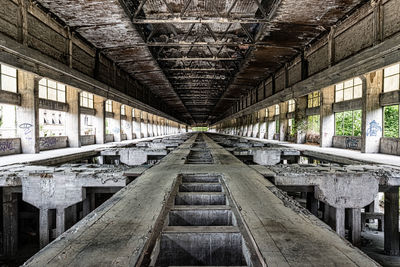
372	245
122	230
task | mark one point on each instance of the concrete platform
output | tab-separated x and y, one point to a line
125	228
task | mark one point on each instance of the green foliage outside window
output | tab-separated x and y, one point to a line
348	123
200	129
391	121
313	124
277	127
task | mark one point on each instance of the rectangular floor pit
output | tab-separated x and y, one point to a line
201	217
199	157
205	198
200	187
201	249
200	178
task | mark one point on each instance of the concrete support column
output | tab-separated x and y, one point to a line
327	117
44	234
312	203
271	129
372	117
73	118
337	216
28	113
391	228
136	124
60	221
355	226
116	122
283	121
85	206
301	119
127	123
99	119
10	222
326	215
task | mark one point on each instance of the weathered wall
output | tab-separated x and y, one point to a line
88	140
348	142
109	138
53	142
9	146
390	146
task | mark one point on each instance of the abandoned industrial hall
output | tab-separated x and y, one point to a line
199	133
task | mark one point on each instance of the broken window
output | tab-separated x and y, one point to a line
52	90
348	123
313	124
8	78
391	78
348	90
391	121
314	99
86	100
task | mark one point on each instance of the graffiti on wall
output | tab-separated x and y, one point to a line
6	146
48	142
27	127
352	143
373	128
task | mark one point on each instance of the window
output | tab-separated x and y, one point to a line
292	105
52	90
277	126
391	78
266	112
348	123
291	129
258	115
109	106
8	128
133	113
51	123
141	115
314	99
277	111
313	124
123	110
348	90
86	100
8	78
87	125
391	121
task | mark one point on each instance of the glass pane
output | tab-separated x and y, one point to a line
391	121
309	123
339	123
52	94
357	81
8	71
339	96
316	102
51	84
348	83
8	83
90	103
391	70
61	87
391	83
358	91
84	102
348	123
42	91
339	86
357	122
43	81
348	93
310	103
61	96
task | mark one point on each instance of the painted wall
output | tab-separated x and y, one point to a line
9	146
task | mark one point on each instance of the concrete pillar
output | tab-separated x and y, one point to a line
391	228
73	118
301	119
85	206
44	234
326	214
28	113
116	122
336	219
127	123
312	203
327	117
10	222
271	129
136	124
283	121
60	221
355	226
99	119
372	117
143	125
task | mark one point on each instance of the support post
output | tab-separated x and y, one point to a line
73	118
44	235
10	222
99	119
327	117
355	225
391	216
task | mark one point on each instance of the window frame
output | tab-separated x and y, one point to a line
310	128
384	122
108	106
312	98
291	105
56	88
344	87
123	110
7	75
392	75
353	122
277	110
89	98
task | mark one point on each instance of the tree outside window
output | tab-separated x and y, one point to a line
313	124
391	121
348	123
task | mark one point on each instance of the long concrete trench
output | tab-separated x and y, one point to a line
200	206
